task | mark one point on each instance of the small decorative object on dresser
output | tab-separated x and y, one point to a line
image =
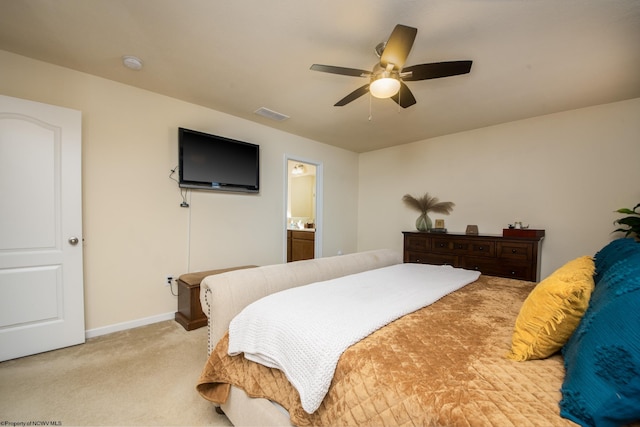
472	229
424	205
522	232
493	255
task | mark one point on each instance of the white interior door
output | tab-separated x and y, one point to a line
41	279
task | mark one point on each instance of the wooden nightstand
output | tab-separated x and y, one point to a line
190	314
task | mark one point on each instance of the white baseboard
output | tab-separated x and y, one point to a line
92	333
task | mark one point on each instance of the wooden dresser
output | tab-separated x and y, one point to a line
493	255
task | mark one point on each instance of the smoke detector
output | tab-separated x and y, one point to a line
132	62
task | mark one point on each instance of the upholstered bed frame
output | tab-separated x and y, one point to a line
224	296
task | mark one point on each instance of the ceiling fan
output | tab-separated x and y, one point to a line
386	79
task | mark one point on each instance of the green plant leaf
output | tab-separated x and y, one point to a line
625	211
632	222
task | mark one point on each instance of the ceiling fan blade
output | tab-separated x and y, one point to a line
340	70
436	70
398	46
404	97
353	96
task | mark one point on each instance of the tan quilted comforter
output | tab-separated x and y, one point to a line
443	365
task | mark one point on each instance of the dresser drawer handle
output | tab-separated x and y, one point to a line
481	248
442	245
514	251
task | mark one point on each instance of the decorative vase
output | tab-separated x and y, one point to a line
423	223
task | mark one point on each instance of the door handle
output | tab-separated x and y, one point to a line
73	241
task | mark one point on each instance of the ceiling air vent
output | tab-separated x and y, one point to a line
270	114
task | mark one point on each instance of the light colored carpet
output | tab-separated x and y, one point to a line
140	377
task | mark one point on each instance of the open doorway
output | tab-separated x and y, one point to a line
303	209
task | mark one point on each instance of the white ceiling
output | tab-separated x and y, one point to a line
530	57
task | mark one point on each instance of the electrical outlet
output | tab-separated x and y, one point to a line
168	280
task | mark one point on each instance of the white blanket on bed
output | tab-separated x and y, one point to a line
303	331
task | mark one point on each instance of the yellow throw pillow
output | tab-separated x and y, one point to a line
553	310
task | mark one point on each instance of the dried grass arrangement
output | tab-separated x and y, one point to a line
424	205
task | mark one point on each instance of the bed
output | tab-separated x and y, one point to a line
471	358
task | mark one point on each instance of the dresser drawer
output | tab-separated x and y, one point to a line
464	247
515	251
516	271
417	243
441	245
480	248
431	258
489	267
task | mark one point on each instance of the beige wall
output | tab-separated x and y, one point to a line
565	173
135	231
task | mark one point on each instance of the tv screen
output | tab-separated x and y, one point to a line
214	162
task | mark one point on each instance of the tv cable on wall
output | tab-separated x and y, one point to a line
183	191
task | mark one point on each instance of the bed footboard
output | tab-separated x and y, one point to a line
224	295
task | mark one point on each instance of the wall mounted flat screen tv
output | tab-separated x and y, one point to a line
212	162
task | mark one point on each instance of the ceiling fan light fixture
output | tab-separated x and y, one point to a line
384	87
